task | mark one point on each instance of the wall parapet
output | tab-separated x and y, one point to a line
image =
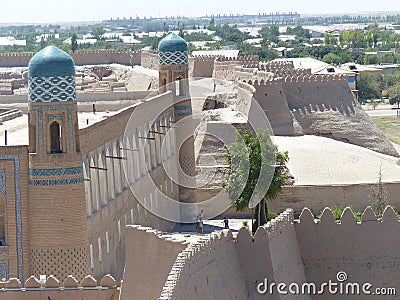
282	223
249	58
327	218
315	78
193	254
32	283
80	57
273	228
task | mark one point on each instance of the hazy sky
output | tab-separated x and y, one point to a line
46	11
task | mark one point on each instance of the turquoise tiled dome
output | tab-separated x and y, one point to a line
51	76
172	50
171	43
51	62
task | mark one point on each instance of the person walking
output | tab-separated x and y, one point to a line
201	226
226	223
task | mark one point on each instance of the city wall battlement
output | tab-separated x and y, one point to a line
258	78
218	263
367	251
309	104
201	66
80	58
224	67
89	289
288	251
205	57
203	270
252	58
153	253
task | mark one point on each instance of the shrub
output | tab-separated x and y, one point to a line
272	215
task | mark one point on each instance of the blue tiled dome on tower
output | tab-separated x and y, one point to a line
51	61
51	78
172	50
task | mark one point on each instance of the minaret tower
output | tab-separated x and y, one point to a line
58	225
173	76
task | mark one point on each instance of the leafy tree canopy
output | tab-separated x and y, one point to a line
255	163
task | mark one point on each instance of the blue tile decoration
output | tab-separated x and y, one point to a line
172	50
18	210
40	132
172	42
56	172
3	184
173	58
4	270
72	107
55	117
47	182
70	132
51	61
52	89
183	114
183	107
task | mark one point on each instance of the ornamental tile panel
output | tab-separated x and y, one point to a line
173	58
49	182
52	89
3	185
56	171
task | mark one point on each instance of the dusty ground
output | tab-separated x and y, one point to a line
89	78
317	160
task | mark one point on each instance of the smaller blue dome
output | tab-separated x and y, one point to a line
51	62
172	43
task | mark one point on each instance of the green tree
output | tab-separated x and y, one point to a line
389	58
372	37
331	58
368	87
394	95
270	33
74	42
330	39
301	32
98	32
246	170
211	25
370	59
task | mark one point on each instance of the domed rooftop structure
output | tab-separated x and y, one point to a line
51	62
51	76
172	50
172	43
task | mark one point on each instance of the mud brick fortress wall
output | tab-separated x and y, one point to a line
80	58
154	254
310	104
317	197
207	269
70	288
108	191
15	59
366	251
284	250
201	66
149	60
224	68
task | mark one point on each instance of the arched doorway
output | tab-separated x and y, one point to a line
55	138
